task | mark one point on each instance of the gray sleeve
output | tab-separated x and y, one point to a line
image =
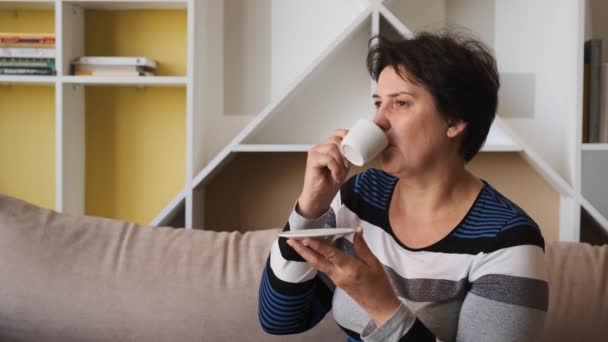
400	322
508	298
483	319
326	220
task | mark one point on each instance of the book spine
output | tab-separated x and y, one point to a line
13	52
27	63
27	45
26	71
26	39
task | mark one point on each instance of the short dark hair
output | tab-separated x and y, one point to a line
459	71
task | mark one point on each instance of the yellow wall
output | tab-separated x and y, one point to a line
135	150
27	21
158	34
27	143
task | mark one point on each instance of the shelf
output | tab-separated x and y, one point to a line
152	81
27	143
49	80
497	141
271	148
595	147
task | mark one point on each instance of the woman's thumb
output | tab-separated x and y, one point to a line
361	248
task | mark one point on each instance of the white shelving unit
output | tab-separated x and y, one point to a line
279	76
594	157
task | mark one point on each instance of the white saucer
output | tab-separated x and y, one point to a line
317	233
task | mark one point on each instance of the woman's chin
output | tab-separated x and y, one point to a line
389	162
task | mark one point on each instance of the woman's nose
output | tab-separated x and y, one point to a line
381	121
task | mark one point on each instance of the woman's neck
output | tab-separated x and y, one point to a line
435	194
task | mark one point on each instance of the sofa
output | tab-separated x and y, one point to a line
78	278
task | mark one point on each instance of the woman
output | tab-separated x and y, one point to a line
440	254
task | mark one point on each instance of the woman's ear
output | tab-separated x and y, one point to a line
455	128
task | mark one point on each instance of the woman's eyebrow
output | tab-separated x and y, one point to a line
395	94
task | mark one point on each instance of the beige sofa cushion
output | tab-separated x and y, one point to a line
66	278
578	292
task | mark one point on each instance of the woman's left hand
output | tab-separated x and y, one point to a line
363	279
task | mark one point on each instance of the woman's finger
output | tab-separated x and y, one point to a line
313	258
332	254
333	148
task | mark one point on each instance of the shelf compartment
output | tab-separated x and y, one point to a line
157	30
335	94
27	17
27	143
32	5
135	150
269	189
594	179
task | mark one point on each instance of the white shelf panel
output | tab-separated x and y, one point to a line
161	81
498	140
35	5
130	5
595	147
4	79
271	148
170	210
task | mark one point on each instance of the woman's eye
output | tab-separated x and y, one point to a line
377	104
402	103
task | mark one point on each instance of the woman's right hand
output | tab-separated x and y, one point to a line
326	170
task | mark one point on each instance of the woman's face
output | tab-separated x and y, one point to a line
417	134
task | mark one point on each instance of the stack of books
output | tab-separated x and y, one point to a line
113	66
27	54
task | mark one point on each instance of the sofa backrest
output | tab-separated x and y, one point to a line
76	278
578	292
68	278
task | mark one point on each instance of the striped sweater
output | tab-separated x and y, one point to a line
484	281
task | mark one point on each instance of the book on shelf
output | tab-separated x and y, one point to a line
593	58
113	66
27	52
98	60
115	73
26	71
27	39
10	62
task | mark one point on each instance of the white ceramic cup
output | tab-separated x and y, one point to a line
363	142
